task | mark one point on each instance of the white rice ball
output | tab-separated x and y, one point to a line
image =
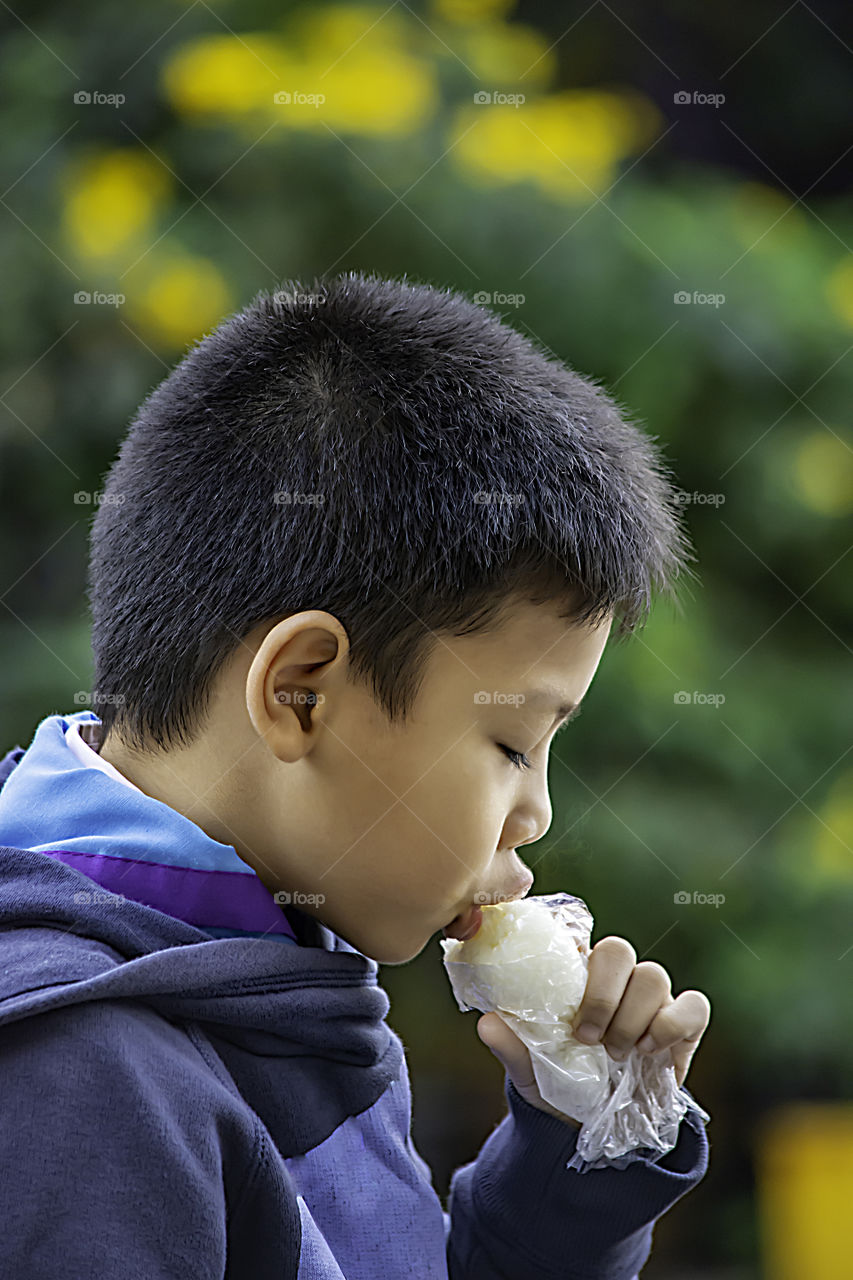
526	962
522	960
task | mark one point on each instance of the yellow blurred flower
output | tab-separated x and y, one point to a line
834	841
508	57
177	300
569	143
221	75
839	290
471	10
338	67
326	34
823	474
376	92
111	201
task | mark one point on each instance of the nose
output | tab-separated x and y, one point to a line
527	832
532	819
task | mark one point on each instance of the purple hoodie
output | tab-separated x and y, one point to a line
198	1082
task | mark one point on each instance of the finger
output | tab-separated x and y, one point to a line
611	963
679	1027
681	1056
647	993
685	1019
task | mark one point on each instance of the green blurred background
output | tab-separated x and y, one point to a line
662	199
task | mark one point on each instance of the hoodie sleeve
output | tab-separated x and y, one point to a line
114	1163
516	1211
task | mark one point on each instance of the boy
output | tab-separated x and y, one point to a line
357	560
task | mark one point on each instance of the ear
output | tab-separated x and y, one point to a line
300	665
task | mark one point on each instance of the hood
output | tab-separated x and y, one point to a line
66	940
60	797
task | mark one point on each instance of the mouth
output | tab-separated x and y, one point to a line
465	925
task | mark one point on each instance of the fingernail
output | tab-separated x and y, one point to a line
646	1045
588	1033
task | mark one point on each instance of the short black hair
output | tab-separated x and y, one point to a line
384	450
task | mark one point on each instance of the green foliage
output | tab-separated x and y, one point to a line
751	797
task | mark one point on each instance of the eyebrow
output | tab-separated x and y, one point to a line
565	711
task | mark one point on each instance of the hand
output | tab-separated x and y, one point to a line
514	1056
629	1005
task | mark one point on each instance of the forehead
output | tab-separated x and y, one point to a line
533	650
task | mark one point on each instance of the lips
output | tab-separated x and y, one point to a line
465	925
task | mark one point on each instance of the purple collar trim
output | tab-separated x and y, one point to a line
219	899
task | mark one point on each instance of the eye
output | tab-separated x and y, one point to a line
516	757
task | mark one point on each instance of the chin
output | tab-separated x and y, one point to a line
389	951
384	950
382	957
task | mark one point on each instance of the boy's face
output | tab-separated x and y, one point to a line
400	828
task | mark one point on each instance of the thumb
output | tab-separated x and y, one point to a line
514	1056
511	1052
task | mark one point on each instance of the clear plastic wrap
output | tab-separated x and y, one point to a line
528	963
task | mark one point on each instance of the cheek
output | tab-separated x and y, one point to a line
423	828
457	804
